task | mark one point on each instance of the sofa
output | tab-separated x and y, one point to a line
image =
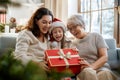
7	42
113	55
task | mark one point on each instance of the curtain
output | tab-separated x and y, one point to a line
59	8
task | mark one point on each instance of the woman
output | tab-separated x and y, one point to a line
93	49
32	42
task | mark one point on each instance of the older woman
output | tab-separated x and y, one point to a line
93	49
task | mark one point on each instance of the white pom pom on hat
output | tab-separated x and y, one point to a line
57	23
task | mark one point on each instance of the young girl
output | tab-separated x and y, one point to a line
57	35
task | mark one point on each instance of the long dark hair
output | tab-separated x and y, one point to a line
32	26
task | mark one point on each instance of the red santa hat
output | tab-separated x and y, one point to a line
57	23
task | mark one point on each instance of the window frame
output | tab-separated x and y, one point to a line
116	33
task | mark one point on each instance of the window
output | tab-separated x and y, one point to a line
98	16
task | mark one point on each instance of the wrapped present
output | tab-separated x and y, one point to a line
62	59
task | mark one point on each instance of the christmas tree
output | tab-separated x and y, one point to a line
13	69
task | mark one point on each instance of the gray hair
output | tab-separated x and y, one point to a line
76	19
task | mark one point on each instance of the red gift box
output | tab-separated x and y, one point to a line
62	59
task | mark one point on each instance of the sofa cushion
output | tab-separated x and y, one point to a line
111	43
112	53
112	59
6	43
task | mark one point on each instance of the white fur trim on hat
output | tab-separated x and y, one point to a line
57	24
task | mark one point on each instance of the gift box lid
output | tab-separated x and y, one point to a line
54	59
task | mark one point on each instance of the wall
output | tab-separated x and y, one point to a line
61	9
24	12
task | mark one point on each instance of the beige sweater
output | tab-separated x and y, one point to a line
88	48
28	47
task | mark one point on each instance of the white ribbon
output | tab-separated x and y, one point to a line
63	56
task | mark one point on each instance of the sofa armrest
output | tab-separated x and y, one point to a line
6	43
118	54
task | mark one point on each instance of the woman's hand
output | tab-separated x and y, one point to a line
84	63
43	64
75	49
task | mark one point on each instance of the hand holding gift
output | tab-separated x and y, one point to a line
43	65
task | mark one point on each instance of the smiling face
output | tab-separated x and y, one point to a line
76	26
77	31
44	23
58	33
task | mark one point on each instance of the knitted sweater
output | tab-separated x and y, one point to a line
28	47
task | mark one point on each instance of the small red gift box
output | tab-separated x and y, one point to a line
62	59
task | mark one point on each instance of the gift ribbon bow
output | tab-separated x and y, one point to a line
62	55
65	57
